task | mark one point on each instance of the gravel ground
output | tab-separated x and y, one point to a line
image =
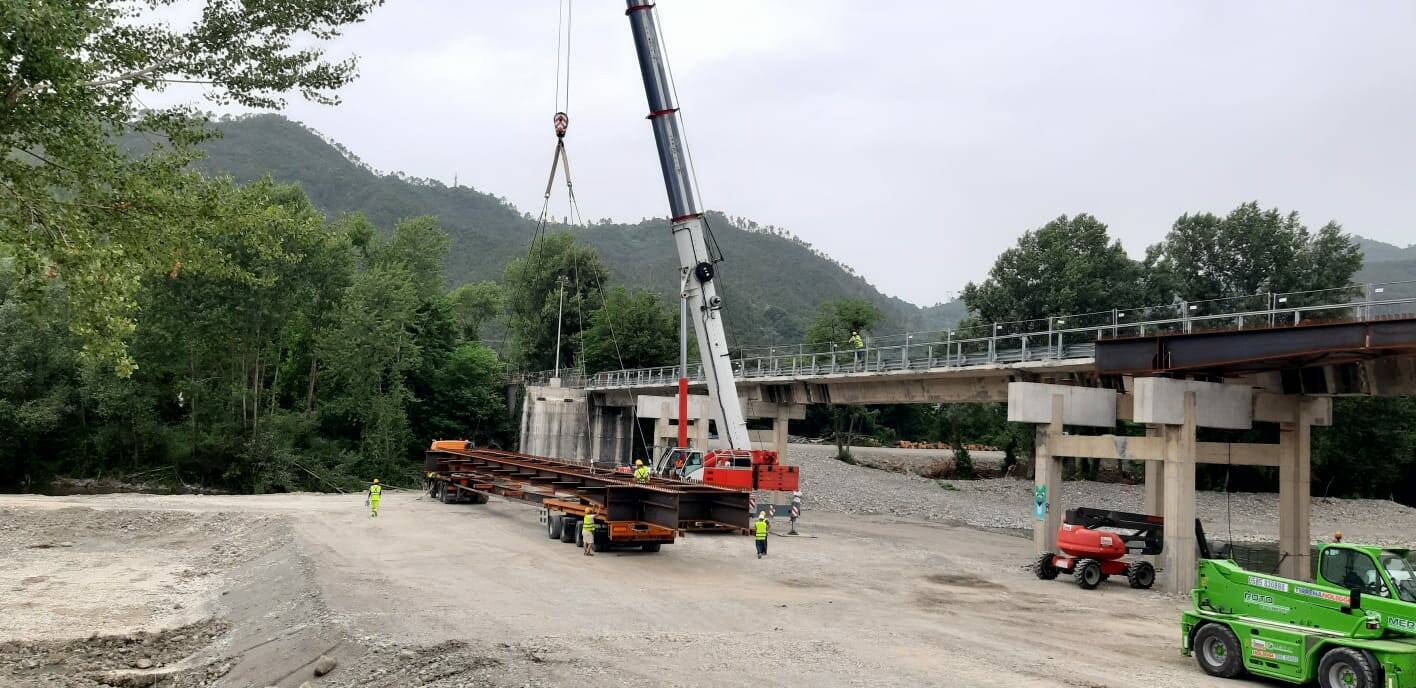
1006	503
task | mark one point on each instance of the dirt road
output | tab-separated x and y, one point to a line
458	595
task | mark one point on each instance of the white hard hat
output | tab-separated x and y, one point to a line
762	514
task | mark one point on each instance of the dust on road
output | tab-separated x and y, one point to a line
257	588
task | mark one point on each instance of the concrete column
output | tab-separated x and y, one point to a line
1178	573
1153	500
1295	540
1047	474
779	432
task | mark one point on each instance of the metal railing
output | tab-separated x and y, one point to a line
1060	338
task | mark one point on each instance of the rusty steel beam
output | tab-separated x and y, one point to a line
1257	350
670	503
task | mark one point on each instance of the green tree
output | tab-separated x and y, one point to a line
835	321
1067	266
475	305
467	402
73	206
833	324
1369	450
533	287
1251	251
632	329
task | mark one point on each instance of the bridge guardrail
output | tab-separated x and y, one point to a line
1056	338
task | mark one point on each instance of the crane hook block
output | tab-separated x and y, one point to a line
703	271
562	121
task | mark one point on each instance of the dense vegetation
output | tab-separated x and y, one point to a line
308	323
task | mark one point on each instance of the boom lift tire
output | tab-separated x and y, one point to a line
1141	575
1044	569
1088	574
1346	667
553	526
1218	653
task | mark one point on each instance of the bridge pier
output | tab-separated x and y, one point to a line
1173	411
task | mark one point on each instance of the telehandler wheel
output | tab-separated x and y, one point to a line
1345	667
553	526
1217	651
1088	574
1043	568
1141	575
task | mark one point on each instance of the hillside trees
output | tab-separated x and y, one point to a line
73	207
555	266
632	329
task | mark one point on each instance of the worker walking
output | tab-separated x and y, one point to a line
372	498
587	532
760	531
641	472
857	344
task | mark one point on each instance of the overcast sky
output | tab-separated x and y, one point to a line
912	140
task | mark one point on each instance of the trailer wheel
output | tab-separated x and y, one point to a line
477	498
1088	574
1044	569
553	526
653	547
1217	651
1141	575
1345	667
601	541
569	528
447	496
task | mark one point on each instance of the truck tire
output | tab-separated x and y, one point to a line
1044	569
1345	667
553	526
1088	574
1141	575
1217	651
653	547
446	495
477	498
569	527
601	543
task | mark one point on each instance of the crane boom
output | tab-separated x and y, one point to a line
696	264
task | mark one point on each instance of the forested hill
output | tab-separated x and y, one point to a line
772	281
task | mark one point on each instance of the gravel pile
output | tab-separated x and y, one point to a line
1006	503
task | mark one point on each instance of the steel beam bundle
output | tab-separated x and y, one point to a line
671	504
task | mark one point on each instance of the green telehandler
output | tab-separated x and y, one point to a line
1353	627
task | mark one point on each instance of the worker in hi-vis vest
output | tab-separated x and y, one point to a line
372	499
857	345
587	532
760	532
641	472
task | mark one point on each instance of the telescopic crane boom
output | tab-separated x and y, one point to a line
696	264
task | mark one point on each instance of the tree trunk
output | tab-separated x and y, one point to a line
310	388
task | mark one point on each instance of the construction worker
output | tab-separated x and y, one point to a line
371	500
857	344
587	532
760	532
641	472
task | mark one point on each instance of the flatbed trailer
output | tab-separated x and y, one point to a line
628	514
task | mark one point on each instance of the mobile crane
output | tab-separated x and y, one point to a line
739	465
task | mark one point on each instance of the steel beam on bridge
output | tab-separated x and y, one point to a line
1257	350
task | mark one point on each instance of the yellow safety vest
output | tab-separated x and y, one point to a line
857	342
374	491
589	523
641	474
762	529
